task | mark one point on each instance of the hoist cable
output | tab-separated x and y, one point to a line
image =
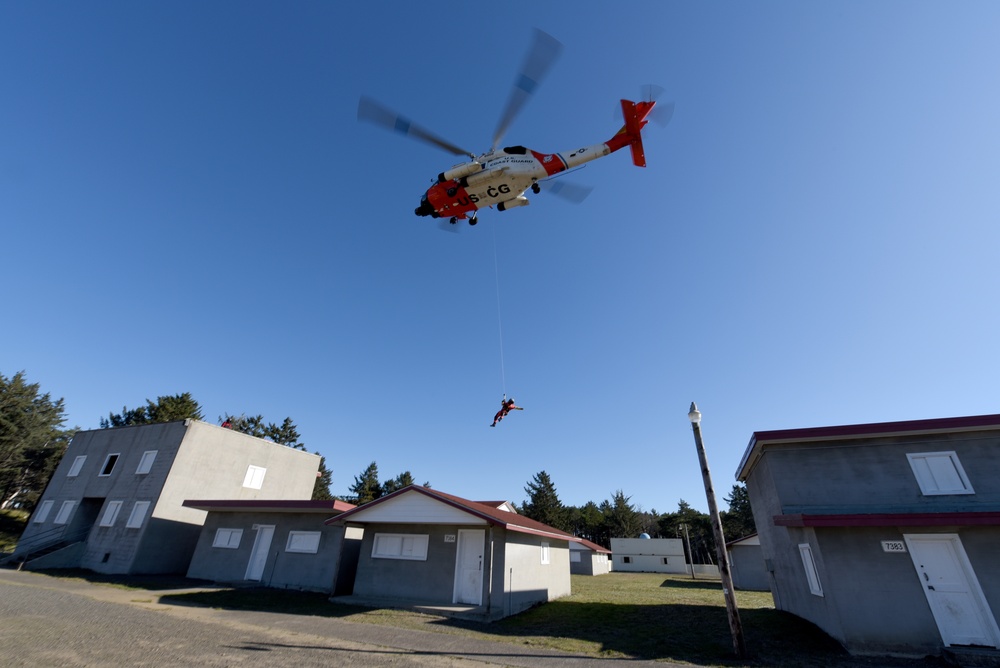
496	269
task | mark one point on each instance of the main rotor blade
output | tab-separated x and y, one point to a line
543	52
373	112
571	192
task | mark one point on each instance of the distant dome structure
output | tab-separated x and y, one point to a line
644	535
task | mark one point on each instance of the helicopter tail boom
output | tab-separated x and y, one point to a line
631	133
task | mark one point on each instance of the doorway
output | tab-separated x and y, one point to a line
258	557
469	566
956	600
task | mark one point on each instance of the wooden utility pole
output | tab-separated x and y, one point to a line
687	541
735	626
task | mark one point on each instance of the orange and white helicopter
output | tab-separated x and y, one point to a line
501	176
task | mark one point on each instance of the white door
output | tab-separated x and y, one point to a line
963	617
469	566
258	557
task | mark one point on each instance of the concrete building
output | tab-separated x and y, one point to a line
115	503
649	555
422	547
587	558
747	564
884	535
281	544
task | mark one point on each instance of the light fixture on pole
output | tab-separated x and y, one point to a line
735	626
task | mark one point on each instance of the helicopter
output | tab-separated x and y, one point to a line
501	176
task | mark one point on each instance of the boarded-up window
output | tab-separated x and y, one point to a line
227	538
138	515
43	511
254	478
939	473
574	556
74	470
812	575
400	546
546	555
111	513
65	510
146	463
303	541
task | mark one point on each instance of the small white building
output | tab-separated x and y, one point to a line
649	555
587	558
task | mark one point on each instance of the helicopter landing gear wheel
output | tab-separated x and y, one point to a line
535	188
473	220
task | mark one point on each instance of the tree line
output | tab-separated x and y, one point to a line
617	517
33	439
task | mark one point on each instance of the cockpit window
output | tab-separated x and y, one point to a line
515	150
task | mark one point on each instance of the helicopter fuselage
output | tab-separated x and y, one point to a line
499	178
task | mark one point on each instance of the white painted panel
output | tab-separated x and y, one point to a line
469	566
77	465
258	558
414	508
960	609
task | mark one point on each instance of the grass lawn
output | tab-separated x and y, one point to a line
11	526
621	615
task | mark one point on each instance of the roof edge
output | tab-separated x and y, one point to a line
760	439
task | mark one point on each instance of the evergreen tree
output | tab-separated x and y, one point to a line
366	486
32	440
165	409
738	521
621	518
590	524
321	491
543	504
649	523
699	527
404	479
254	425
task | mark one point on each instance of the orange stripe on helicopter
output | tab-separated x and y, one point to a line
553	163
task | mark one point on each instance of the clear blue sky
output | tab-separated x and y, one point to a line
188	204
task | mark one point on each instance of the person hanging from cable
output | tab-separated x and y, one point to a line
506	406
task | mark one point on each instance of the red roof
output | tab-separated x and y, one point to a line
489	514
275	506
594	546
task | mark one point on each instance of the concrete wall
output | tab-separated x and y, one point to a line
194	460
782	560
872	601
528	581
212	463
649	555
91	491
283	569
874	475
747	568
589	563
431	581
519	579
